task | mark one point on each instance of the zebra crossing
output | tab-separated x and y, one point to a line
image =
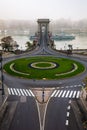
20	92
66	94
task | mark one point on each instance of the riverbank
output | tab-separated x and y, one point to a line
75	51
80	51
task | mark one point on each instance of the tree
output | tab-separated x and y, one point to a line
28	45
31	45
70	47
15	45
85	81
34	43
8	43
69	51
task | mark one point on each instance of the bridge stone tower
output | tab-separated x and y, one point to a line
43	26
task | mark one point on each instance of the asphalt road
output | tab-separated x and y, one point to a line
45	50
59	115
26	115
56	114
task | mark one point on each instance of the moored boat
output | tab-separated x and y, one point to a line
62	37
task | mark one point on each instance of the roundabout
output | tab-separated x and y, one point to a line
46	67
43	65
36	77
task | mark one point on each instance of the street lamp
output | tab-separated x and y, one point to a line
2	77
43	95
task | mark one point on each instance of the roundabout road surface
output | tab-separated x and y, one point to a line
10	80
56	117
42	50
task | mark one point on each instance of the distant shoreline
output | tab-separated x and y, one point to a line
80	51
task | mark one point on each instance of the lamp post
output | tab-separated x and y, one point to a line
2	77
43	92
43	95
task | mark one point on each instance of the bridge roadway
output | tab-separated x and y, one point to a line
59	115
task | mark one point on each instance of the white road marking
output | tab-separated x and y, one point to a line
83	84
74	94
57	93
79	85
78	94
68	107
62	87
60	93
18	92
69	101
64	93
12	91
25	92
70	94
53	93
67	94
28	92
9	91
75	85
68	114
71	86
15	91
32	93
22	92
67	122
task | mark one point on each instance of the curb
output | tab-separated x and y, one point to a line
77	116
3	109
4	98
8	116
3	103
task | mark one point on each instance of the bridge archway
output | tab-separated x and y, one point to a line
43	26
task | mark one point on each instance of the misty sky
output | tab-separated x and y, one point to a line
53	9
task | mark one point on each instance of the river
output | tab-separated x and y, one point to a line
80	42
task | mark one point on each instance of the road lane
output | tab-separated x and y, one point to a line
26	115
56	114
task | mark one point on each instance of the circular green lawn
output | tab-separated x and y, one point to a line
43	65
44	68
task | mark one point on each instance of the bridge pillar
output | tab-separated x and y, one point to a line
43	27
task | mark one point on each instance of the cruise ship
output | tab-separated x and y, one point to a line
33	38
62	37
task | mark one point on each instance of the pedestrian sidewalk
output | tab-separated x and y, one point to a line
84	103
83	98
3	99
3	103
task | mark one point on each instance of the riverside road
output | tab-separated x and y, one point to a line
59	114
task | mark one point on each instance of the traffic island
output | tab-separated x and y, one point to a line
52	68
42	96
